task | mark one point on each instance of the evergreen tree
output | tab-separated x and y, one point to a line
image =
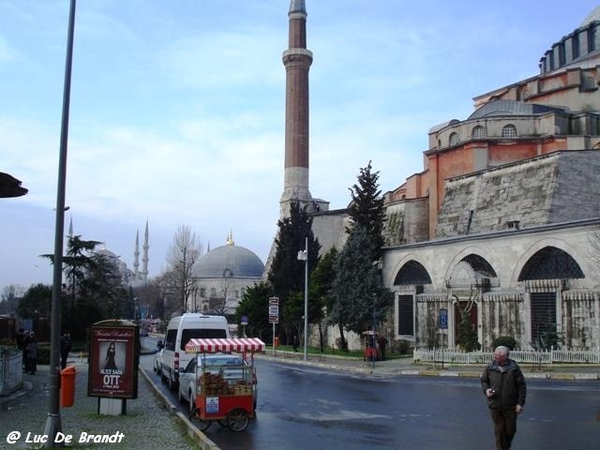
36	302
367	209
321	280
255	306
286	275
359	297
94	289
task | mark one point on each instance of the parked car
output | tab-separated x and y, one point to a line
158	362
232	367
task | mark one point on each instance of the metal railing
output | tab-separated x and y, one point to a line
11	370
457	356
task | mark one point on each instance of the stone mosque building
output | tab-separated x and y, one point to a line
221	276
501	224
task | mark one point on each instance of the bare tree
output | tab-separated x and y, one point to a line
219	304
9	299
183	254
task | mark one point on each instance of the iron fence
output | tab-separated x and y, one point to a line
457	356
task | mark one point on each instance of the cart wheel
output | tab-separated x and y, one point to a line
200	423
237	419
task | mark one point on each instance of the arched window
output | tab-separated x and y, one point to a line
509	131
549	263
453	139
411	273
478	132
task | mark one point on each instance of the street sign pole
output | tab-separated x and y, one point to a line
274	316
443	324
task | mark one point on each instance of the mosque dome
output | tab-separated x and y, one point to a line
229	260
593	16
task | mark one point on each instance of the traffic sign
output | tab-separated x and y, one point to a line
443	319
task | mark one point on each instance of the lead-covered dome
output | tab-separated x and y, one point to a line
229	261
593	16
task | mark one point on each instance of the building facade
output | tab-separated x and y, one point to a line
500	231
501	227
221	276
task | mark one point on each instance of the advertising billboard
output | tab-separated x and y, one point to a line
114	356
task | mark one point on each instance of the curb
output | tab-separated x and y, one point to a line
26	386
198	436
475	373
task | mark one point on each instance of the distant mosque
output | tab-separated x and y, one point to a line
221	277
135	277
140	275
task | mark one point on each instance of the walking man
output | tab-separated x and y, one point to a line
503	384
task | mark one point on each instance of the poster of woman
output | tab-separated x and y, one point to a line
114	356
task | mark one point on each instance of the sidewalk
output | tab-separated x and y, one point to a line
149	422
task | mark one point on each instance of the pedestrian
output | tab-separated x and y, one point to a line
65	349
24	347
19	338
295	345
32	354
504	386
382	342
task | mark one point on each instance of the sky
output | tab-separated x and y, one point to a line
177	109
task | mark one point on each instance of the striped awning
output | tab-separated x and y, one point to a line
224	345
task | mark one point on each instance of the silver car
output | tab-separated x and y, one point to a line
232	367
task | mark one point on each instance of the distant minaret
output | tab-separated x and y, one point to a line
297	60
145	255
136	257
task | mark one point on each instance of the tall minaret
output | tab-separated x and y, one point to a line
297	60
145	254
136	257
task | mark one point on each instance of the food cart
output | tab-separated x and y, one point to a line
371	352
224	393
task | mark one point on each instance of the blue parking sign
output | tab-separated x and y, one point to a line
443	319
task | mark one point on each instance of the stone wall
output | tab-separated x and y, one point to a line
548	189
407	222
577	189
330	229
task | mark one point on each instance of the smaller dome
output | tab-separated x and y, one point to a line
229	261
593	16
500	108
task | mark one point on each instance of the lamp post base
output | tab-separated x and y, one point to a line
53	427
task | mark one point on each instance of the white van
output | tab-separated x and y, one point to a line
179	331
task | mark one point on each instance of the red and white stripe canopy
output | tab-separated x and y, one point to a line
224	345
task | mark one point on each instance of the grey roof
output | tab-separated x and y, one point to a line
297	6
593	16
511	108
229	260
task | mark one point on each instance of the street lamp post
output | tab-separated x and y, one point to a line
373	342
53	421
303	256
